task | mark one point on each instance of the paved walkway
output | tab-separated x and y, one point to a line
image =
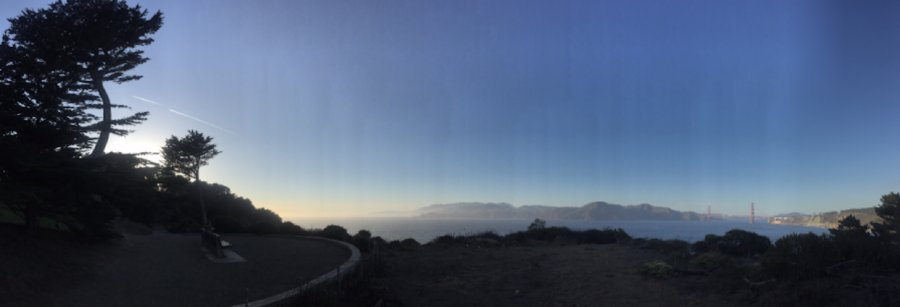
170	270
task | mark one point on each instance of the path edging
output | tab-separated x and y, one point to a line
286	297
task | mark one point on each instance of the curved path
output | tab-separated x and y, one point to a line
170	270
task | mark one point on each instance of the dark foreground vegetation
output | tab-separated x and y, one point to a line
853	265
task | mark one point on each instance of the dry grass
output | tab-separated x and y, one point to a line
545	275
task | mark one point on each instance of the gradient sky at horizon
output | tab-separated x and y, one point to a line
352	107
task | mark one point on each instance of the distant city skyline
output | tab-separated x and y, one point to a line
325	108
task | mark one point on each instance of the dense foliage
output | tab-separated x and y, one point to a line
801	256
738	242
186	155
88	49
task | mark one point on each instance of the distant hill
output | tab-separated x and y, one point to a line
792	214
830	219
592	211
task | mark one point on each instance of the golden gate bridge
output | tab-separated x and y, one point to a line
752	216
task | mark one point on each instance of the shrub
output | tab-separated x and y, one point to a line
486	235
447	239
711	261
337	233
381	243
395	245
605	236
484	238
410	243
225	224
800	256
701	247
742	243
657	269
547	234
291	229
537	224
261	228
667	246
712	242
361	240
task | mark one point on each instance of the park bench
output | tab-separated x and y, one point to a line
214	243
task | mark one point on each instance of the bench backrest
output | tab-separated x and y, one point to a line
212	242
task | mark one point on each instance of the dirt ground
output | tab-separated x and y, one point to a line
545	275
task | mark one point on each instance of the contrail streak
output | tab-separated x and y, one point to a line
156	103
199	120
185	115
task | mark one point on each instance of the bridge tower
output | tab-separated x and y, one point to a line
751	213
707	213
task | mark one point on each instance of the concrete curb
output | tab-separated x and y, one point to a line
285	298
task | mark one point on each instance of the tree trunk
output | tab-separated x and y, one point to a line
200	195
106	124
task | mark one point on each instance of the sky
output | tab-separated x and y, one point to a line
343	108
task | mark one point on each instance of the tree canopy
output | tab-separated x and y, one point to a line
186	155
889	211
92	41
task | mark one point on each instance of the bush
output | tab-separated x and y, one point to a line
337	233
225	224
261	228
741	243
667	246
361	240
605	236
448	239
800	256
537	224
379	242
410	244
405	245
395	245
657	269
701	247
291	229
484	238
712	261
548	234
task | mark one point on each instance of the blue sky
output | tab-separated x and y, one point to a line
349	107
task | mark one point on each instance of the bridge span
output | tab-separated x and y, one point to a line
752	216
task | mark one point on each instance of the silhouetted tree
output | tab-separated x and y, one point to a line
889	211
42	108
187	155
852	238
94	40
537	224
267	216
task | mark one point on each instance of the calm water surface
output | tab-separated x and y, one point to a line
424	230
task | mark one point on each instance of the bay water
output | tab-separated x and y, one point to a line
424	230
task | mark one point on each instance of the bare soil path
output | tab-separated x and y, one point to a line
165	269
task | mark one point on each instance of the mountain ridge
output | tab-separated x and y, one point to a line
598	211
